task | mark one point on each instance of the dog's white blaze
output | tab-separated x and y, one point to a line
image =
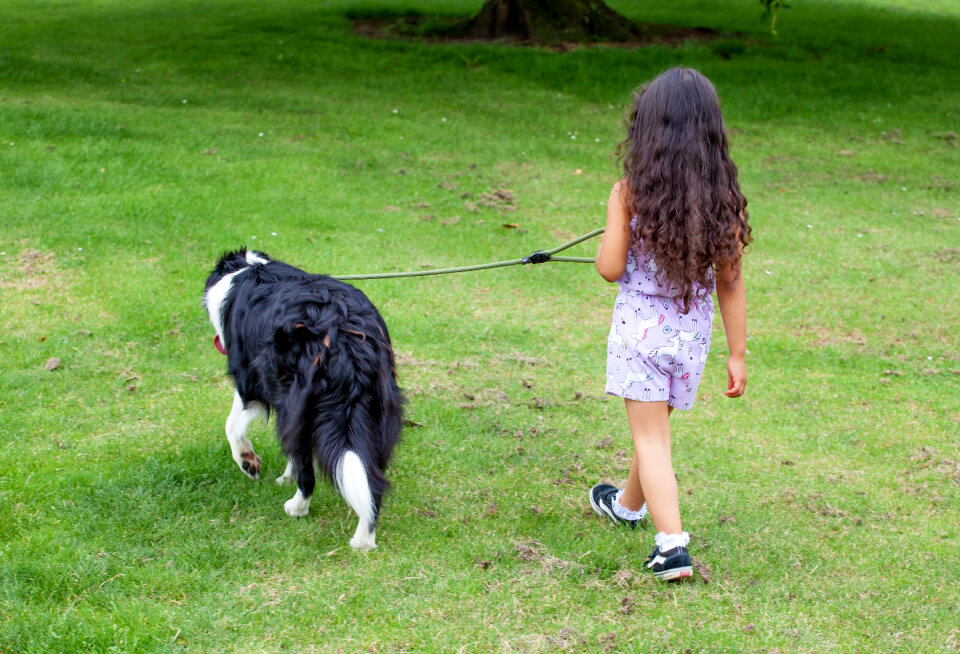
353	485
214	298
254	258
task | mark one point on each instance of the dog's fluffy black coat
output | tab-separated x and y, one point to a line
316	352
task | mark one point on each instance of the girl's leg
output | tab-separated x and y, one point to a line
650	428
632	497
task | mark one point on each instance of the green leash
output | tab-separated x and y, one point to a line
540	256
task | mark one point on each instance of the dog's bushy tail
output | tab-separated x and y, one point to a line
344	408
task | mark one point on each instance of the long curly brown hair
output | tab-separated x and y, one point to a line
681	183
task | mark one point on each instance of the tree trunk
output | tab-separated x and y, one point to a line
552	21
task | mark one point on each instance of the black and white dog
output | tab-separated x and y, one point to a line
316	352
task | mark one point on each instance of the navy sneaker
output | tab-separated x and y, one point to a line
601	501
670	565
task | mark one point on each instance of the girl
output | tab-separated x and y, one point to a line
676	227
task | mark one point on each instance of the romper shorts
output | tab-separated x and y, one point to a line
654	352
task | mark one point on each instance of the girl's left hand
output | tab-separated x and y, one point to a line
737	377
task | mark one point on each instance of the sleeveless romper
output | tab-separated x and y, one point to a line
654	352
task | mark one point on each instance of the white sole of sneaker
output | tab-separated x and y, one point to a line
674	573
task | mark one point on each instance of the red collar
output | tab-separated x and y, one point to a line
217	344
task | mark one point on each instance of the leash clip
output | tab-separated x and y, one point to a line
537	257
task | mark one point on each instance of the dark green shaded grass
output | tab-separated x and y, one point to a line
823	504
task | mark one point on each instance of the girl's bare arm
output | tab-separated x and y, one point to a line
732	297
612	254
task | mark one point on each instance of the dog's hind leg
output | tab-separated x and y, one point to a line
351	479
289	474
238	422
298	505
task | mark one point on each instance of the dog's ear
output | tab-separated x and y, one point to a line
230	262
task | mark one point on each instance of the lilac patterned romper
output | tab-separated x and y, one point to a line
654	352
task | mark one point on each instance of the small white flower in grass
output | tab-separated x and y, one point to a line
859	235
3	254
929	358
809	226
768	272
903	188
184	102
573	137
396	111
379	229
273	233
260	134
596	140
443	120
79	249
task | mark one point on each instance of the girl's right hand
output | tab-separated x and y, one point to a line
736	376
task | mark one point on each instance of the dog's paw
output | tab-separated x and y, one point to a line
364	543
284	479
296	506
250	464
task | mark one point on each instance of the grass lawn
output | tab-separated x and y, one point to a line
139	139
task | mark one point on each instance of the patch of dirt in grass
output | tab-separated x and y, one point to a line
34	270
522	360
948	255
820	506
703	570
533	551
929	458
501	199
938	183
408	359
32	286
892	137
873	177
830	336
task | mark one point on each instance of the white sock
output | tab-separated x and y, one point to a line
625	513
667	542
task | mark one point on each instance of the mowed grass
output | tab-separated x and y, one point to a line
140	139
